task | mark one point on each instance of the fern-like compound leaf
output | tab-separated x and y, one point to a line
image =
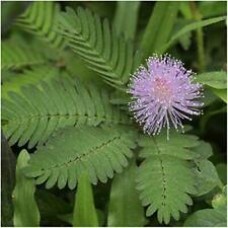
17	54
36	112
94	41
39	20
99	152
165	178
34	76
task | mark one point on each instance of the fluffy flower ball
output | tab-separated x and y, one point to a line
163	94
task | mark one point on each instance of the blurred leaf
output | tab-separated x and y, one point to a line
124	206
215	217
7	75
185	10
8	164
207	177
124	24
203	150
189	28
84	210
9	11
101	217
159	27
198	36
222	172
186	39
215	46
216	82
102	8
221	93
69	217
120	98
32	76
220	199
16	53
51	206
26	212
209	97
217	79
212	8
77	68
39	20
205	118
207	218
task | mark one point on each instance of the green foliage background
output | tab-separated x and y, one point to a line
81	159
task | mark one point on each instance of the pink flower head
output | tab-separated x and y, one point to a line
163	94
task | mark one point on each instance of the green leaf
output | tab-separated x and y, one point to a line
26	212
216	82
34	76
216	217
10	11
76	67
165	178
36	112
17	54
52	207
99	152
159	27
125	25
185	10
124	206
221	93
204	120
39	20
222	172
8	165
209	8
209	96
216	79
190	27
94	41
69	217
207	218
84	210
102	8
203	151
7	75
206	177
185	41
220	199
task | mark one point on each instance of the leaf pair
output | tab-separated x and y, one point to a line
97	152
172	172
39	20
36	112
93	40
165	179
216	82
16	54
216	217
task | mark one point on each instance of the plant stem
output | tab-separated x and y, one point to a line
199	36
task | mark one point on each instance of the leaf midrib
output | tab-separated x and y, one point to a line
82	156
164	181
67	116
